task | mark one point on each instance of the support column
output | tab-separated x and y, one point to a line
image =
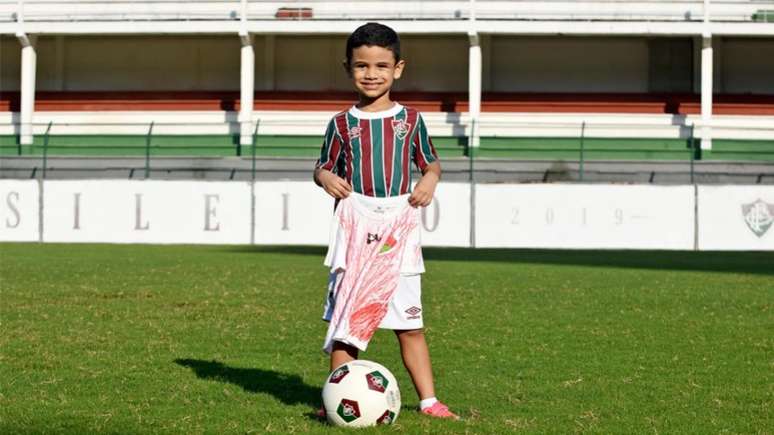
706	92
474	86
28	67
247	90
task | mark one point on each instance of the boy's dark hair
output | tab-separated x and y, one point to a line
373	34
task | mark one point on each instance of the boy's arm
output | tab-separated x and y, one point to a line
426	159
334	185
330	154
423	192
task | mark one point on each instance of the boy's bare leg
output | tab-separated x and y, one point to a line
342	353
416	358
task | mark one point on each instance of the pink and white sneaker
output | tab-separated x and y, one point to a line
440	410
321	413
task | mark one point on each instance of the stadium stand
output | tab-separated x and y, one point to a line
618	85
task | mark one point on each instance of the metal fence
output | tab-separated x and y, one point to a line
163	150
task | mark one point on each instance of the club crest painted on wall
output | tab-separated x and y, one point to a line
758	216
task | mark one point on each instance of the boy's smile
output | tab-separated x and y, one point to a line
373	71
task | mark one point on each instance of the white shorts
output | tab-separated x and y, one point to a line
404	310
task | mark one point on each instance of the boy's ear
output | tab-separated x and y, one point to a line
347	69
399	69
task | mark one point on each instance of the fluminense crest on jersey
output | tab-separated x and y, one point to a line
355	132
758	216
401	128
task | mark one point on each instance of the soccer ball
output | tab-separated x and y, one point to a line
361	393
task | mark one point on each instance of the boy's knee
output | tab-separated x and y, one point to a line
349	349
410	333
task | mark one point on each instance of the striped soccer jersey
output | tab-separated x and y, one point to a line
373	151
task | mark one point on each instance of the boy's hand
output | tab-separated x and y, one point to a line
423	192
336	186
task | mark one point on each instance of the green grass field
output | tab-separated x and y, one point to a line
226	339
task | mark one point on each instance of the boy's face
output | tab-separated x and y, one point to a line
373	70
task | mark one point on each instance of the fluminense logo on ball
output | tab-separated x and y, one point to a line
348	410
377	381
339	374
758	216
387	418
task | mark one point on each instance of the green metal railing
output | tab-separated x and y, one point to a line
148	141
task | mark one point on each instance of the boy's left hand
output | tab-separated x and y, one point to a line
423	192
421	196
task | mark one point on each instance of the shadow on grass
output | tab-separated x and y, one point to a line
289	389
758	262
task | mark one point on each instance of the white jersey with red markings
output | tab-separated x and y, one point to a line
374	240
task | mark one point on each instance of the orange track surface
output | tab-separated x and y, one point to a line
427	102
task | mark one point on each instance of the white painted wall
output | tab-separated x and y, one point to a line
123	211
748	65
19	214
507	215
585	216
547	64
739	218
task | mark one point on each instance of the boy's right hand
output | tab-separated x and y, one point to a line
336	186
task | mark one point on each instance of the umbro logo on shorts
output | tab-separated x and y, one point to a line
413	313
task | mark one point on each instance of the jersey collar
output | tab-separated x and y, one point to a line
392	111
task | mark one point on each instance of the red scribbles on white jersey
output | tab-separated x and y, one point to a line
371	239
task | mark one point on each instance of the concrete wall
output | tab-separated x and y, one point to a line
521	64
143	63
747	65
10	64
285	212
434	63
309	63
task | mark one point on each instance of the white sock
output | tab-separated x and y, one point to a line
426	403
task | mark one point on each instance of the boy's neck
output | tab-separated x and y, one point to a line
378	104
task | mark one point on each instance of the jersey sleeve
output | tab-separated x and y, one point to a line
331	149
422	152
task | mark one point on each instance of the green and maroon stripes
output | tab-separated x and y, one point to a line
425	152
410	121
374	155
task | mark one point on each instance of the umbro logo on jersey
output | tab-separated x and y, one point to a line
373	238
401	128
355	132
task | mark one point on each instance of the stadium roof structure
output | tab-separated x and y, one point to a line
699	19
518	17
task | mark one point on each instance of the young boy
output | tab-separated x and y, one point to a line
365	161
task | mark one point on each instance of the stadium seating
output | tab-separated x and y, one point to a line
562	81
